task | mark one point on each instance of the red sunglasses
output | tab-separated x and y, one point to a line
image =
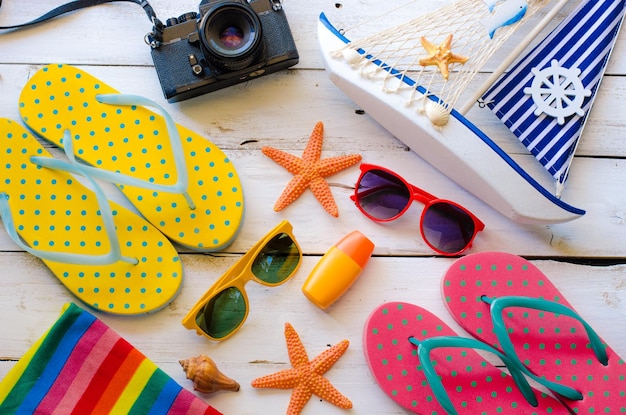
383	196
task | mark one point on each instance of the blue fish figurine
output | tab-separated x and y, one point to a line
491	4
507	13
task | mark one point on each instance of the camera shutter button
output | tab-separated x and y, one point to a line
187	16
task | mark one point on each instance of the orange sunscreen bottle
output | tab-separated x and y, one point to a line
337	270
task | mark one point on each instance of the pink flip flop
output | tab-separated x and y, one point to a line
507	302
398	340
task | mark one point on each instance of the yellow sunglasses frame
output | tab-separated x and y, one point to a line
237	276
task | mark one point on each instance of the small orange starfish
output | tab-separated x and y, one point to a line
309	171
441	56
306	376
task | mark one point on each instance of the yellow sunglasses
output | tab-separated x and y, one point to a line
223	309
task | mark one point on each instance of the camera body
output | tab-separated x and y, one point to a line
227	42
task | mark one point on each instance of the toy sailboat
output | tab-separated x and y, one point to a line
410	77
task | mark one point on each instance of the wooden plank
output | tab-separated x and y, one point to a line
31	300
233	116
113	34
596	185
234	120
280	111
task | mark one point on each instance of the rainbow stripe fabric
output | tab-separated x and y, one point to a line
81	366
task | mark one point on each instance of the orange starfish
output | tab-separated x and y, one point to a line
441	56
310	171
306	376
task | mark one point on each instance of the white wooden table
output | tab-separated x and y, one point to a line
586	258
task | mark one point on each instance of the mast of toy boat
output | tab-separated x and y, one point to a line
519	49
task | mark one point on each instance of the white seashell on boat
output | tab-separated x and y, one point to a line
436	113
351	56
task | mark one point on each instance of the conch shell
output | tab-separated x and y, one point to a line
206	376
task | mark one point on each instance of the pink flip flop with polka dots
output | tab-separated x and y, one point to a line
398	339
499	299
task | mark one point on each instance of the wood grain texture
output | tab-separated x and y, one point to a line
280	111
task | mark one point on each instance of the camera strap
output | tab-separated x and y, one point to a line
81	4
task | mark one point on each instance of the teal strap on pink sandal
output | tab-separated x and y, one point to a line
497	308
464	382
498	304
426	346
507	302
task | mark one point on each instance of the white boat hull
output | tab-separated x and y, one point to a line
459	149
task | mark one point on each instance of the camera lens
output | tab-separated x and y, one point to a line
231	38
231	33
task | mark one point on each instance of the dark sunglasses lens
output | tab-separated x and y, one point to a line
447	227
277	260
223	314
382	195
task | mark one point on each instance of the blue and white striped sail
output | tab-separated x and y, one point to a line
546	97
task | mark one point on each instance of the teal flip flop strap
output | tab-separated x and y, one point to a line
118	178
497	306
114	255
424	348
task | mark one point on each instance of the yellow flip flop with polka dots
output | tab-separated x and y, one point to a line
107	256
179	181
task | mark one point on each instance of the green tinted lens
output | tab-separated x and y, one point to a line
223	314
277	260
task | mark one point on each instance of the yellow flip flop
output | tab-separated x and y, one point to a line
106	255
179	181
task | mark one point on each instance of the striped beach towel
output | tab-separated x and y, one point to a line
81	366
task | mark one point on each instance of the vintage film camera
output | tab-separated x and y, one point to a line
227	42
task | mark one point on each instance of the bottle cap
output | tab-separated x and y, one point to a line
357	246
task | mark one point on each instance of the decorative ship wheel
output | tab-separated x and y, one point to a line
558	92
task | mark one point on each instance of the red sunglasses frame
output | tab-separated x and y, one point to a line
422	196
